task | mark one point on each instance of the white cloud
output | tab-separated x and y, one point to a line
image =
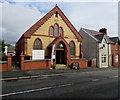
94	16
16	19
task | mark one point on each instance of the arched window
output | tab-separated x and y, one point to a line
37	44
72	48
60	31
51	31
55	30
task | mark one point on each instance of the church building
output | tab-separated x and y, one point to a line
56	37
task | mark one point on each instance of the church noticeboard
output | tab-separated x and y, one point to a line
37	54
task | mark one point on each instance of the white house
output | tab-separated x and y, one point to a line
97	47
10	50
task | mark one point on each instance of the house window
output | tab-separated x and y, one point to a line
103	58
55	30
51	31
72	48
60	31
37	44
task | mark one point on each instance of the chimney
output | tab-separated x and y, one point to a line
103	30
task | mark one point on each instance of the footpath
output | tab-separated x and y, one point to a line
27	74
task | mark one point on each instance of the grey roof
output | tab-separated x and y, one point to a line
114	39
11	48
92	32
98	35
108	39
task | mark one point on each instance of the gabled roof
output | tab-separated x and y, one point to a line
114	39
32	29
98	36
108	39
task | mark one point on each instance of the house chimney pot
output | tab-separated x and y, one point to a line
103	30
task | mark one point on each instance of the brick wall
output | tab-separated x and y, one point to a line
115	49
82	63
34	64
6	65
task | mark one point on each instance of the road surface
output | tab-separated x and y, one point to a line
95	84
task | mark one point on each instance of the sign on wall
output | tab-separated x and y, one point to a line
38	54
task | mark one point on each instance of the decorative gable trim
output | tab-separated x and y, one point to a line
38	24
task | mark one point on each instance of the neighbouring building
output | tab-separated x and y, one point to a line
10	50
56	36
115	49
98	46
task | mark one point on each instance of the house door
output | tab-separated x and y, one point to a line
59	56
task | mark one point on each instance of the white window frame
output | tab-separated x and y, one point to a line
103	58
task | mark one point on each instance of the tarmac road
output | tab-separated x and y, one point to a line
95	84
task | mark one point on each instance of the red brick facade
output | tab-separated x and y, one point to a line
6	66
35	64
115	50
82	63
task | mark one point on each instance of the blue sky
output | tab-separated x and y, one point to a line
17	17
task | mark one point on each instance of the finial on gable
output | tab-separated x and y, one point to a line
56	5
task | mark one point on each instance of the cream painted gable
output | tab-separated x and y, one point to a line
44	29
104	40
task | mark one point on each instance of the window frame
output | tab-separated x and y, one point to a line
50	31
57	30
103	58
40	44
73	48
62	31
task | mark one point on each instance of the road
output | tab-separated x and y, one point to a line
95	84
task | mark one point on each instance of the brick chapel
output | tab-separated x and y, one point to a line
53	29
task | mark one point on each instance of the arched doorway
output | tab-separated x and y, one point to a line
60	53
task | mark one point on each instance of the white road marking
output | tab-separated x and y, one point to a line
95	79
40	89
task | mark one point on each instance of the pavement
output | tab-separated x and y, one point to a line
26	74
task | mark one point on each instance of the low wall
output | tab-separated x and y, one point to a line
34	64
3	66
92	64
6	65
83	63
